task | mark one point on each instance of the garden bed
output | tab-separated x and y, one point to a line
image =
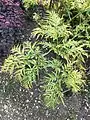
19	103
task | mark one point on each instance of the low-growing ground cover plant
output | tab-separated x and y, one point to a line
61	50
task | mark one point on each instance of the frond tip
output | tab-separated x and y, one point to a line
74	81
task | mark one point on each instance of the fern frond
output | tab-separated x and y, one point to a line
78	4
70	50
24	63
74	80
29	3
52	26
53	91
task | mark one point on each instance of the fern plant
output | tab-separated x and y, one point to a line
24	63
67	67
61	74
69	49
65	40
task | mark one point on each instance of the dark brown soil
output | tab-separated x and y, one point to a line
17	103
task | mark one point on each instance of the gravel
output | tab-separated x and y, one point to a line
18	103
